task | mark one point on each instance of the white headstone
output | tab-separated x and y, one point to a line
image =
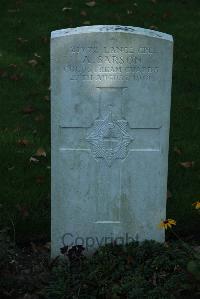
111	94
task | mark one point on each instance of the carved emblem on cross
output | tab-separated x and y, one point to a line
109	139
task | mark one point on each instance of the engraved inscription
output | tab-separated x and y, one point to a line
109	139
112	63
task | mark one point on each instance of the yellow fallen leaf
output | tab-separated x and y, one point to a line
40	152
91	3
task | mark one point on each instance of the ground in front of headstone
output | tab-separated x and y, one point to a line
137	270
24	271
148	270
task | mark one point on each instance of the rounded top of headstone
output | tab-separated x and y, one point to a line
111	28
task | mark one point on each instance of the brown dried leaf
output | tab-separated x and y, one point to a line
187	164
91	3
16	77
28	110
23	210
153	27
169	194
3	74
40	179
177	150
46	98
34	247
130	260
23	141
40	117
47	245
45	39
40	152
83	13
166	15
13	65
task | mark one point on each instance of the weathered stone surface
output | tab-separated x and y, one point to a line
111	93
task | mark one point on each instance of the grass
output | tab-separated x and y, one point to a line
25	108
148	270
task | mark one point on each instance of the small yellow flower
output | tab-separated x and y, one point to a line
196	204
167	223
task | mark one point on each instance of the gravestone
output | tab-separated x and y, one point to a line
111	94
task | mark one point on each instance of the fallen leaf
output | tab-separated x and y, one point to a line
187	164
11	168
32	159
13	10
167	15
45	39
40	152
83	13
23	142
16	77
33	62
36	55
34	247
154	1
3	74
13	65
154	279
169	194
17	129
22	40
40	179
91	3
28	110
66	8
135	4
47	245
23	210
39	117
129	12
153	27
196	248
113	1
86	23
46	98
177	150
130	260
